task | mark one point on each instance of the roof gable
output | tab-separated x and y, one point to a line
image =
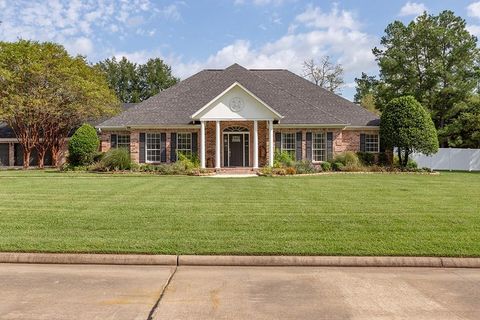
249	106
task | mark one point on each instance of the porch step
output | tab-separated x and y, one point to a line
239	170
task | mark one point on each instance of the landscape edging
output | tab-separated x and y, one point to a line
213	260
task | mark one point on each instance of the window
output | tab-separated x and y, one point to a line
153	147
371	143
319	146
123	141
184	143
289	143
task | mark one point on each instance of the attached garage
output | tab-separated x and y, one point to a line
4	154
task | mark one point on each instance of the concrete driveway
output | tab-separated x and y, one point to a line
131	292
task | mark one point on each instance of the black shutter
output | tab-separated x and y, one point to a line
173	147
329	146
298	153
362	142
278	141
382	144
163	147
194	143
113	141
141	148
309	146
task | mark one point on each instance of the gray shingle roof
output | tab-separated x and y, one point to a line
297	99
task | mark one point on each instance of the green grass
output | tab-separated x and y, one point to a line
371	214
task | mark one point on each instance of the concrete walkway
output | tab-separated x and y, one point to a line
31	291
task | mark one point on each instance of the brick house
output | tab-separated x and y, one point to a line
237	117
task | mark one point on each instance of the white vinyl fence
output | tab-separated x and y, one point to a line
450	159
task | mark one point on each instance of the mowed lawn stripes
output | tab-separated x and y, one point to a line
358	214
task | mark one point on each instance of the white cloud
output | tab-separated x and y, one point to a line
171	12
82	45
77	24
315	33
412	9
474	29
473	9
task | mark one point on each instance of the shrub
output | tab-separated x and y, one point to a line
407	125
304	167
189	161
348	158
337	166
290	171
326	166
411	164
83	146
98	156
383	159
267	171
279	171
116	159
282	159
367	158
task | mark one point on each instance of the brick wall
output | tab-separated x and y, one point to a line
343	140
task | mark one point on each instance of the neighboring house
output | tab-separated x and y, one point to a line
11	152
238	117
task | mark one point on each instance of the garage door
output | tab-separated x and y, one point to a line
4	154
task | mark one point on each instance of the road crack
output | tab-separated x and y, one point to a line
155	306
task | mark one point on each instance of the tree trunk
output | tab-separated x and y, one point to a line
405	158
26	158
55	155
399	152
41	158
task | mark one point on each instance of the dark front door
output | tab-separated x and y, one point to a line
236	150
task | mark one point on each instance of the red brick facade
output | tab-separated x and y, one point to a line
343	139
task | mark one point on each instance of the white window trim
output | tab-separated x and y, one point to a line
378	142
147	149
295	143
117	144
325	144
191	142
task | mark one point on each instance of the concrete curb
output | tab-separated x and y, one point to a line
85	258
193	260
314	261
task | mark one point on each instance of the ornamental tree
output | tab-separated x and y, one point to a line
407	126
45	94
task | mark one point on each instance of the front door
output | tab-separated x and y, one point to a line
236	149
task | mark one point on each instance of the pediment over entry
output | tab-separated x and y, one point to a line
236	103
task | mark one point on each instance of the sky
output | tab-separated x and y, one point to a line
194	35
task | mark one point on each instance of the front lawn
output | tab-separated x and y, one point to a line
357	214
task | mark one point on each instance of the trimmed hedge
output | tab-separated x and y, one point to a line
83	146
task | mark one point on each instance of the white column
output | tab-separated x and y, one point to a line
217	145
271	143
202	144
255	144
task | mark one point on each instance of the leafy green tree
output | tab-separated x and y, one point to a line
407	126
45	94
155	76
434	58
464	131
133	82
83	146
365	85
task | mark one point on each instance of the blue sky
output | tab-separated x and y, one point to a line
192	35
